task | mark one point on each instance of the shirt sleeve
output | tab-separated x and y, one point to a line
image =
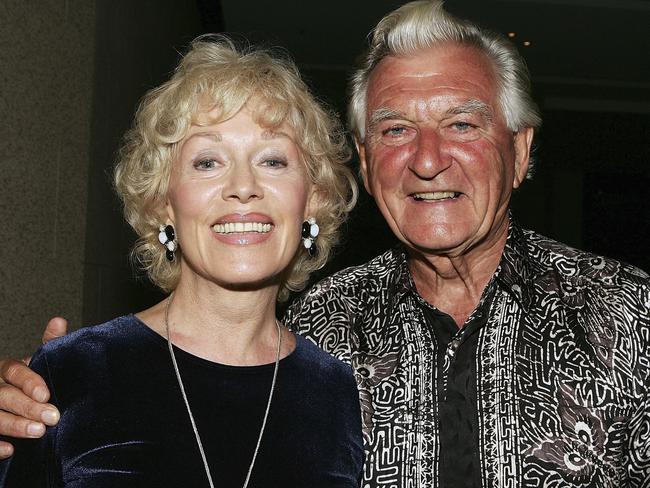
639	440
324	318
639	449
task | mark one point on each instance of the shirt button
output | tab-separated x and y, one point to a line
453	346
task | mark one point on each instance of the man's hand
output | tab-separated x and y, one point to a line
24	411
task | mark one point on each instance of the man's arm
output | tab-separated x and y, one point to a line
24	411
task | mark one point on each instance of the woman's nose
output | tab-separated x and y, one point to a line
242	183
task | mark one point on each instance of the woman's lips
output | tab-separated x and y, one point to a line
242	229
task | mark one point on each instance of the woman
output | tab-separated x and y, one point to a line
233	177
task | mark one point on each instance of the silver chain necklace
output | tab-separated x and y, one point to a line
189	410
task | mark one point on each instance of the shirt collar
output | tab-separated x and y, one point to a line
516	269
513	274
402	281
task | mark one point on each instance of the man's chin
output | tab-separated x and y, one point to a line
447	248
438	239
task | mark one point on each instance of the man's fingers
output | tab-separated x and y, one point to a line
14	426
6	450
56	327
16	373
14	401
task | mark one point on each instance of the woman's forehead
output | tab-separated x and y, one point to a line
271	124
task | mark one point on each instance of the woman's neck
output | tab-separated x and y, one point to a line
235	327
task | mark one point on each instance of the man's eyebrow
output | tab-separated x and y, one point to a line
473	107
382	114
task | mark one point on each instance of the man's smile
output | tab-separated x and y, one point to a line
435	195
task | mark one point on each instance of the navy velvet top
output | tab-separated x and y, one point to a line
124	423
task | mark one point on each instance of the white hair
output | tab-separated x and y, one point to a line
425	23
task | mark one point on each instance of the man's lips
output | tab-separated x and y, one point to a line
435	196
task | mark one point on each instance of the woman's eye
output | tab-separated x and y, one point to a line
274	163
205	164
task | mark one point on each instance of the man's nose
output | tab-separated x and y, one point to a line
242	183
431	156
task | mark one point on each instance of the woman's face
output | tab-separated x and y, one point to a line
237	197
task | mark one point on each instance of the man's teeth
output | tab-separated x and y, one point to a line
237	227
436	195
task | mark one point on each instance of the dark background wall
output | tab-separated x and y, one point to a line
589	64
136	48
46	78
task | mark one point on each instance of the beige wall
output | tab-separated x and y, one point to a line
46	71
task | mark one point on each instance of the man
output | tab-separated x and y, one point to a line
486	355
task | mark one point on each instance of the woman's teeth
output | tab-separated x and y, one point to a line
239	227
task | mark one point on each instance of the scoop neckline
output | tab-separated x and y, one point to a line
183	355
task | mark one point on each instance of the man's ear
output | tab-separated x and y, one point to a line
523	141
361	149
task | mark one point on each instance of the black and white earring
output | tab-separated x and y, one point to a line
167	238
310	231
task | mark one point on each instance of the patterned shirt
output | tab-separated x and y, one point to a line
562	368
458	460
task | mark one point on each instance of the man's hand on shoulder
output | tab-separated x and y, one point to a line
24	411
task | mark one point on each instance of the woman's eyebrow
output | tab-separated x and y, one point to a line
274	134
214	135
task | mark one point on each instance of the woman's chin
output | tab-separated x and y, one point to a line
242	281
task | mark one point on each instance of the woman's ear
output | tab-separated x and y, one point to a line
313	201
166	209
165	212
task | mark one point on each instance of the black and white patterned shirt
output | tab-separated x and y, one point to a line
562	368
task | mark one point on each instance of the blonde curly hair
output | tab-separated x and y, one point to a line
216	74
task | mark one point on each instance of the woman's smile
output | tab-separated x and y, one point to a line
243	229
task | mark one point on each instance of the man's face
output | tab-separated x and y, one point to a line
438	157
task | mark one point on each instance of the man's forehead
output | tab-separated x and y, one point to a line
460	78
445	63
432	98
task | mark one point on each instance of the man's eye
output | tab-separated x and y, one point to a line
394	131
205	164
463	126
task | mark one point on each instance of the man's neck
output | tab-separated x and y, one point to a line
455	284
